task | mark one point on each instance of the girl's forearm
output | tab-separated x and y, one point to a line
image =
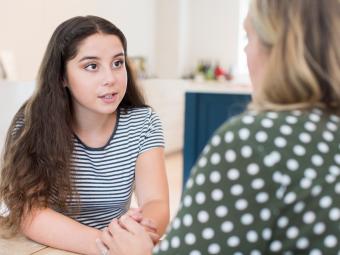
158	212
54	229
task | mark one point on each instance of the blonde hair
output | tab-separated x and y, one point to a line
302	38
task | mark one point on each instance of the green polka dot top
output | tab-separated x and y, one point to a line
266	183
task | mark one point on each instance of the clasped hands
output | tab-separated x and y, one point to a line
132	234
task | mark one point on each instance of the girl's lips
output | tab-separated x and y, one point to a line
109	98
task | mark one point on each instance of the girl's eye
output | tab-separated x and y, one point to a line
118	64
91	67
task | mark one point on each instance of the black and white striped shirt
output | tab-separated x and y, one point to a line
104	177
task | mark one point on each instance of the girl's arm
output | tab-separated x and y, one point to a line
152	188
53	229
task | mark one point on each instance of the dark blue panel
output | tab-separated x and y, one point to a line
204	113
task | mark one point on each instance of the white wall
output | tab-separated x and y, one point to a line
26	27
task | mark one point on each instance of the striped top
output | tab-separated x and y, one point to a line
104	177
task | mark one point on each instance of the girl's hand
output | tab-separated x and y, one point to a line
148	224
125	237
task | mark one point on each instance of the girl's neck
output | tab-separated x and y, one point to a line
94	130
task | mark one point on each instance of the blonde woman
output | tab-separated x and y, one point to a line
268	182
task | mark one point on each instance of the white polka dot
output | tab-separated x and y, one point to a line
281	192
309	217
255	252
203	216
175	242
325	202
241	204
275	246
319	228
310	173
310	126
195	252
305	137
236	190
289	198
216	140
292	232
217	194
299	150
305	183
187	220
286	130
331	126
200	179
202	162
317	160
190	239
233	174
272	115
253	169
248	119
328	136
265	214
282	222
291	119
215	158
164	246
277	177
233	241
252	236
337	188
314	117
227	226
267	234
244	133
215	177
262	197
228	137
230	156
246	151
335	118
257	184
247	219
221	211
208	233
214	248
334	170
261	136
267	123
316	190
323	147
334	214
206	149
330	178
189	183
200	198
337	158
187	201
302	243
280	142
292	164
285	180
298	208
272	158
315	252
176	223
331	241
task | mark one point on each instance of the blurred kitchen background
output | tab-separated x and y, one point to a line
180	49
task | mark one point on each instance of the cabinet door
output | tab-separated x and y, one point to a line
204	113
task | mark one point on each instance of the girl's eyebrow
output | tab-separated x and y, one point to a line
96	58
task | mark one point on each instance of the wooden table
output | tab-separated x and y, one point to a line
20	245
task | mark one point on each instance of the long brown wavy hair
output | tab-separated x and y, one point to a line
36	158
302	38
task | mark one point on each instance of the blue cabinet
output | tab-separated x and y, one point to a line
204	113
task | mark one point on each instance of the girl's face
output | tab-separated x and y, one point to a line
96	76
257	55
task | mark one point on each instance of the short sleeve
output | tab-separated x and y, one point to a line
152	134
